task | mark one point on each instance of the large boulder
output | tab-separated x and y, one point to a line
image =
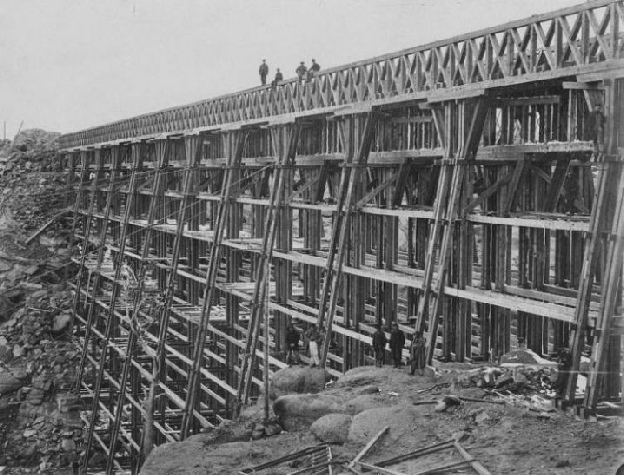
297	381
402	420
61	322
332	428
299	411
363	402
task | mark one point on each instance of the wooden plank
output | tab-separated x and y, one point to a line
286	458
443	468
419	452
369	445
376	469
513	187
480	469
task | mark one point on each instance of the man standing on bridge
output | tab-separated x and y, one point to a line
263	71
278	78
301	71
315	68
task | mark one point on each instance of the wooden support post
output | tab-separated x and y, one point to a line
466	153
87	228
193	151
161	155
611	289
285	140
335	258
76	208
587	278
112	195
237	141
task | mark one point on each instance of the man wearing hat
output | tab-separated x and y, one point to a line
301	71
263	71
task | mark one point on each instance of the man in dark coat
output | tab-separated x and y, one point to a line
263	71
397	342
292	343
278	78
379	346
564	363
315	68
417	354
301	71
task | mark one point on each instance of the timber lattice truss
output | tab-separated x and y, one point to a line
471	189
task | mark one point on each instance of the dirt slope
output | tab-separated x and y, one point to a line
505	438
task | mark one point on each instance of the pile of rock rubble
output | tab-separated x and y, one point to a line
40	426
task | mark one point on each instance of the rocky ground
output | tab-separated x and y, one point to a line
513	429
40	426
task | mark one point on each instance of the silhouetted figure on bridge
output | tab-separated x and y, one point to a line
301	71
278	77
263	71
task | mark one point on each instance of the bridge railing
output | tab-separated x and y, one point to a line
555	42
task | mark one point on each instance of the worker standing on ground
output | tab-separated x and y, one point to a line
263	71
292	343
417	354
564	363
301	71
379	346
397	342
278	77
313	337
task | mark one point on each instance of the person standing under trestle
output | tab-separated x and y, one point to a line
292	343
379	346
397	342
417	354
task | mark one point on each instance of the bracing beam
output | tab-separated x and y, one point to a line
161	148
351	174
235	141
465	155
611	285
285	140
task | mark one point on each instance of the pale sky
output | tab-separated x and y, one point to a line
71	64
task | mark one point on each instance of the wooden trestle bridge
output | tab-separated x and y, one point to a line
470	188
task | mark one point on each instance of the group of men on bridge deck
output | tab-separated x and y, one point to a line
302	71
313	339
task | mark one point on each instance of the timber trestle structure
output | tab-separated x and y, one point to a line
469	188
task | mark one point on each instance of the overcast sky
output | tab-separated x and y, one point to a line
71	64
